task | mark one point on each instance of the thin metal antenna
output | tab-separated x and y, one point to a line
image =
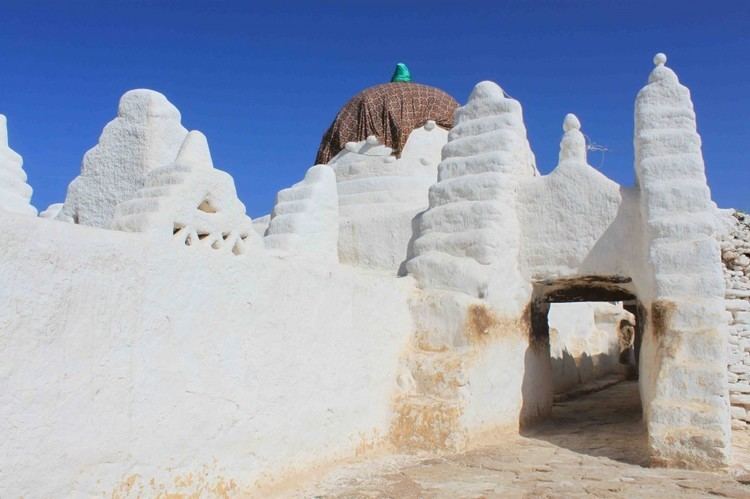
594	147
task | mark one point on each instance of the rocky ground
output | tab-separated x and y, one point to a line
593	446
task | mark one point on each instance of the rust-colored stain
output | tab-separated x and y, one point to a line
429	418
198	486
425	425
368	443
483	325
661	316
661	319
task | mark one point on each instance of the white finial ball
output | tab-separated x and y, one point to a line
660	59
571	122
350	146
429	125
372	140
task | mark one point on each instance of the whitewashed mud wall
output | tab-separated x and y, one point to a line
127	357
473	367
15	193
381	194
735	252
575	220
683	357
584	342
145	135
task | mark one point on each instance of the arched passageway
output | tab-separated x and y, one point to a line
592	371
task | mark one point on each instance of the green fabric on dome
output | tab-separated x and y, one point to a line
401	74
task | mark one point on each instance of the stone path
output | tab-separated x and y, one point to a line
592	446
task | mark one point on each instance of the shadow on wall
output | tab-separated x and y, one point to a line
410	253
536	387
569	372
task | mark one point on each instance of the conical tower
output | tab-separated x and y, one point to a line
683	356
15	193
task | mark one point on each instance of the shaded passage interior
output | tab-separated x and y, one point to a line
592	331
606	423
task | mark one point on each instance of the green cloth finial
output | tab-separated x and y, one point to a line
401	73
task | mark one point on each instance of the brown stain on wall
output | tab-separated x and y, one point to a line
187	486
661	316
432	425
661	320
425	422
483	325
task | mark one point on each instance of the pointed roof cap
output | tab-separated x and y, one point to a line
401	74
573	143
661	72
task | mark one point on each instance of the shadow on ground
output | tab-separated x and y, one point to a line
607	423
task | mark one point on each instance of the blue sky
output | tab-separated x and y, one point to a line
263	80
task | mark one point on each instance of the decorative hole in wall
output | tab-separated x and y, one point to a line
207	207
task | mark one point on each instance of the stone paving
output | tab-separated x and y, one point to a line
593	446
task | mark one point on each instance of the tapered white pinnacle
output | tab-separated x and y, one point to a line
571	122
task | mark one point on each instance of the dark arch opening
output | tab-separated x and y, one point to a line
598	419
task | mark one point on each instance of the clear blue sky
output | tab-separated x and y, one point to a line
263	80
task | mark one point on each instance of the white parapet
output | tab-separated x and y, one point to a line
51	211
15	193
192	201
305	219
574	221
380	194
145	135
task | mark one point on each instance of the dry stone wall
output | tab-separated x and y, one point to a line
735	254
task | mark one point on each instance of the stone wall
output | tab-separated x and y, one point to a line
735	254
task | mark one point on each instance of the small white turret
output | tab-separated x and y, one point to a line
573	144
15	193
146	134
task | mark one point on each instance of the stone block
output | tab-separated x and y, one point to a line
740	399
739	388
738	412
736	304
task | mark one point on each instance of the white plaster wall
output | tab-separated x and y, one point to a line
305	218
576	221
127	357
380	195
584	342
